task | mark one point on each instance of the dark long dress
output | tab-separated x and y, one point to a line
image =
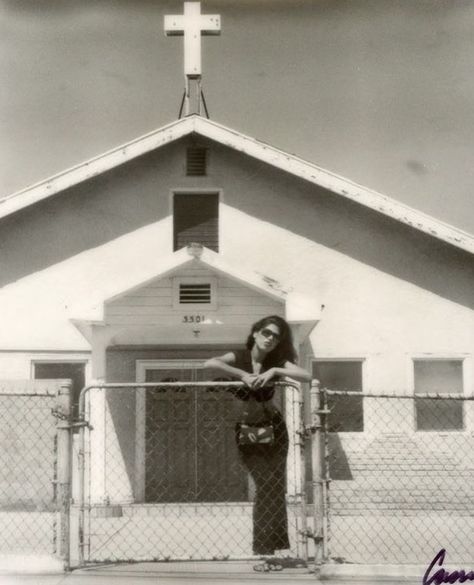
267	466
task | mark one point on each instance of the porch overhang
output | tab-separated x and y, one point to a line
302	311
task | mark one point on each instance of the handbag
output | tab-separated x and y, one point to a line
263	434
250	432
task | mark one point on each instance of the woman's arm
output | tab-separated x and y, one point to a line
225	363
289	369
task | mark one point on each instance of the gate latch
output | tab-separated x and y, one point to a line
310	534
60	415
57	413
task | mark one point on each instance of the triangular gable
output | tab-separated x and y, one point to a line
299	309
251	147
183	259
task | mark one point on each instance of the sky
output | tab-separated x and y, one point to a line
380	92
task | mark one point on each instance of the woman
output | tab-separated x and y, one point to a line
269	355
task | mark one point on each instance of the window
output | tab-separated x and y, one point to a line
438	376
196	219
346	411
74	371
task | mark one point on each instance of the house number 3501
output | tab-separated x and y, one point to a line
193	318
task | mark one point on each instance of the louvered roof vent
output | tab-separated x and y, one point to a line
195	293
196	161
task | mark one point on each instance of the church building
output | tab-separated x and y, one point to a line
143	262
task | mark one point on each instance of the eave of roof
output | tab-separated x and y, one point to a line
252	147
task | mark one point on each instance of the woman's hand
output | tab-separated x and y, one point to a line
249	380
263	379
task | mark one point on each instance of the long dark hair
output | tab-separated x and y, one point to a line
284	351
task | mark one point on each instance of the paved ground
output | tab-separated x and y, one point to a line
229	573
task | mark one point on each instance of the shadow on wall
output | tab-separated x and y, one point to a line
88	215
136	194
338	462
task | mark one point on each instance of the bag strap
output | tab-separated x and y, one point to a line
267	411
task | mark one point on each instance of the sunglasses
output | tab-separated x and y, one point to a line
269	333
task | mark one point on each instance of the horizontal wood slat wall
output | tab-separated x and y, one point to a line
150	304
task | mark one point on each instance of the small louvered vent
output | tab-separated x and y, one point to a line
194	294
196	159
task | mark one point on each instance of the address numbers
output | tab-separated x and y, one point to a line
193	318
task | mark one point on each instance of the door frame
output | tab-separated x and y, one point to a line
140	412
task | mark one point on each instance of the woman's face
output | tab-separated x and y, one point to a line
267	338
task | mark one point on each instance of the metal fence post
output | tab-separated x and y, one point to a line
300	445
326	480
317	471
82	473
63	426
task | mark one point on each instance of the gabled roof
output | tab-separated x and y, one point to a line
252	147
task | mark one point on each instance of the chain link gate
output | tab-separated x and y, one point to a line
400	490
160	477
35	468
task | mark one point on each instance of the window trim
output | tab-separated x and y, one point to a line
364	361
201	307
62	359
198	191
466	361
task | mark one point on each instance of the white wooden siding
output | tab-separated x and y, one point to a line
149	304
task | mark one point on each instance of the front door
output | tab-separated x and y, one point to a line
190	451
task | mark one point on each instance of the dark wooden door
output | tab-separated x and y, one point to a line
190	452
219	472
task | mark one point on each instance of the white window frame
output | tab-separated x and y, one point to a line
197	191
467	386
64	358
363	360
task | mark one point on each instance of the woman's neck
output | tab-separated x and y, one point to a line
257	354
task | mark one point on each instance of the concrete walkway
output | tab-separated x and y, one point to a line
213	573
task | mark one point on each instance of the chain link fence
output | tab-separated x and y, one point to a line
397	476
157	475
31	497
161	477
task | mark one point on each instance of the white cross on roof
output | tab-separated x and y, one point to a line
192	24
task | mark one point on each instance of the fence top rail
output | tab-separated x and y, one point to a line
426	395
288	383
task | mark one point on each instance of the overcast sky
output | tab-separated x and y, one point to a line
378	91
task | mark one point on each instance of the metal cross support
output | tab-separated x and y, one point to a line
192	25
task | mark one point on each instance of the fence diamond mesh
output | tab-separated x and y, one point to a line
157	475
400	471
28	464
162	477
